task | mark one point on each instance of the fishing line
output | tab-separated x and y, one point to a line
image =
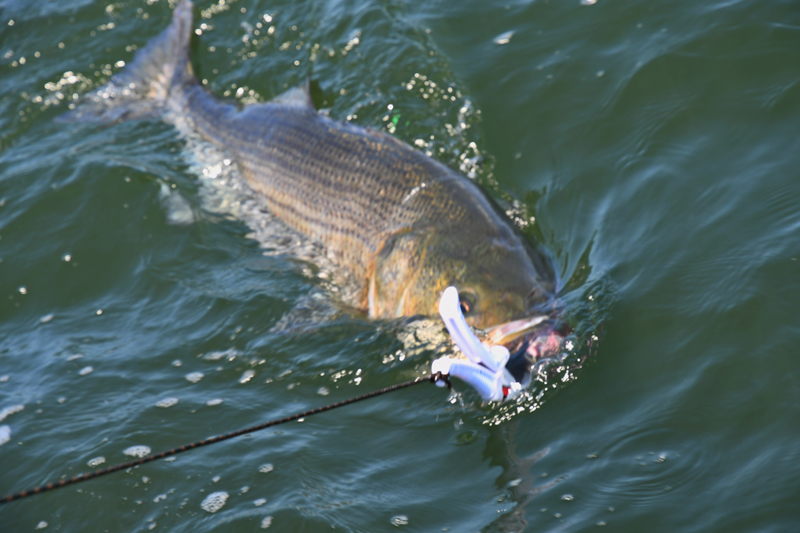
432	378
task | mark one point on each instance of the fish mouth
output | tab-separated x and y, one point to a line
529	340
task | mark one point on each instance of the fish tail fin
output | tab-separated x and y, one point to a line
155	79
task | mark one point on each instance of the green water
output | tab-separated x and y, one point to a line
656	145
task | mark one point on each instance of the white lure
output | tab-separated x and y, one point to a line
486	368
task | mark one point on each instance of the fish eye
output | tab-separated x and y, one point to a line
466	304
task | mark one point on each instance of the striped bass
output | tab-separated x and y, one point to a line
403	225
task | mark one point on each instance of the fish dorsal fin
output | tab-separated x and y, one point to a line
299	96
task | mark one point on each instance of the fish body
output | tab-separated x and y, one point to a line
403	225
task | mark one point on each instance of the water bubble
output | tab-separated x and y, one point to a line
323	391
588	2
97	461
85	371
47	318
266	468
75	357
259	502
98	312
41	525
214	501
67	258
504	38
215	401
159	498
4	378
215	356
247	376
5	434
194	377
137	451
601	523
399	520
167	402
23	290
567	497
266	522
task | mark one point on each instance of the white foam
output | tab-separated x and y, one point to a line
5	413
167	402
214	501
97	461
137	451
194	377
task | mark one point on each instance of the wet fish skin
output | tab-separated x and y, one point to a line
403	225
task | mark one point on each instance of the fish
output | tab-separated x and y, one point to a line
400	223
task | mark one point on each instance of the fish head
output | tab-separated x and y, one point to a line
497	281
499	278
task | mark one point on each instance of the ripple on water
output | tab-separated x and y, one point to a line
137	451
266	522
648	462
266	468
214	501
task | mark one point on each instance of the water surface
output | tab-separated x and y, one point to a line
651	147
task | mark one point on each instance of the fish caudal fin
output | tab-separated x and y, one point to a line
155	79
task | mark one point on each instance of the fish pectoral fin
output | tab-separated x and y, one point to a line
299	96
